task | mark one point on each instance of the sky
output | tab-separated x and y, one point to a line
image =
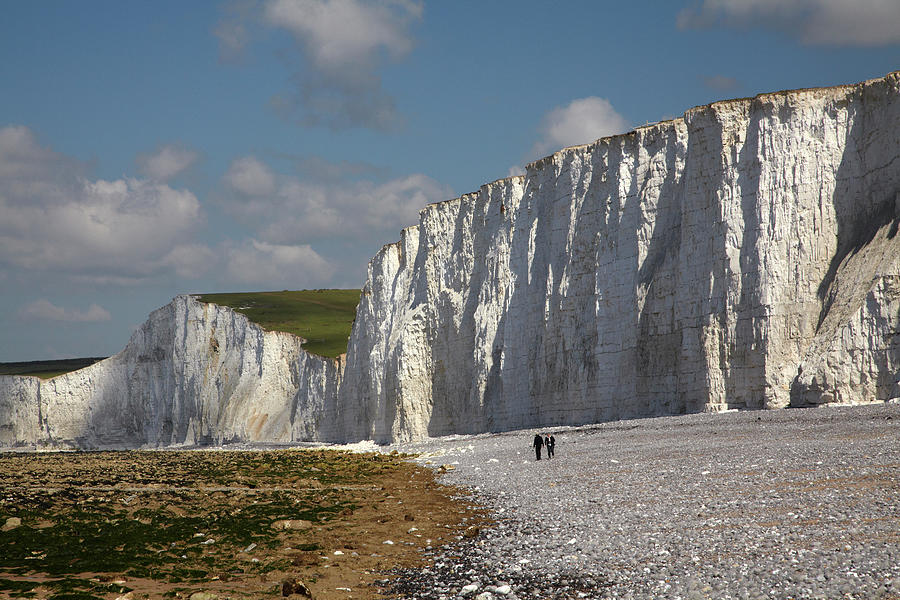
156	148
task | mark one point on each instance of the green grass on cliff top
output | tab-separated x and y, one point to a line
322	317
47	369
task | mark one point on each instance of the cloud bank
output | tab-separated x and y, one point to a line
343	46
292	266
580	122
288	230
814	22
44	310
316	231
166	163
56	219
285	209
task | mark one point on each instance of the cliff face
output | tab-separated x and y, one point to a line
743	256
192	374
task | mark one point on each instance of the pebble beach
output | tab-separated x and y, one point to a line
794	503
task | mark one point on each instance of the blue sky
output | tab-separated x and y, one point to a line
149	149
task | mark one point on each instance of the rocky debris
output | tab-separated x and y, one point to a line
11	523
465	571
221	540
753	504
471	531
291	525
290	587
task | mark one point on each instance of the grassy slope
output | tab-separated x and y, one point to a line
45	369
322	317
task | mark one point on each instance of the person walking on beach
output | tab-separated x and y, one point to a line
538	442
550	442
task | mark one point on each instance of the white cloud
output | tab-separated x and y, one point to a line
515	171
120	224
288	210
344	44
166	163
819	22
190	261
23	161
251	177
343	34
279	265
56	219
580	122
329	226
44	310
721	83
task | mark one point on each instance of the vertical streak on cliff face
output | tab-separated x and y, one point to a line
427	349
390	305
855	351
20	414
661	199
699	286
797	160
612	365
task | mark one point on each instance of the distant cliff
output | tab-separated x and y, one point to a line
743	256
192	374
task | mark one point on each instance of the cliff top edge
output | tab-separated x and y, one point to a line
550	158
539	163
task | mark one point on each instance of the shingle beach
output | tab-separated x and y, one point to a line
758	504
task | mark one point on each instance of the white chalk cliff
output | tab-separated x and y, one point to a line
192	374
743	256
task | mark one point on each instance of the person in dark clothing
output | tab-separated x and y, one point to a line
538	442
550	442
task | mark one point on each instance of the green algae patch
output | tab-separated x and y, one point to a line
169	523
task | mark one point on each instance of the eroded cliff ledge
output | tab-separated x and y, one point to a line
743	256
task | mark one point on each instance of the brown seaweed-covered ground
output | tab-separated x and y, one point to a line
235	524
